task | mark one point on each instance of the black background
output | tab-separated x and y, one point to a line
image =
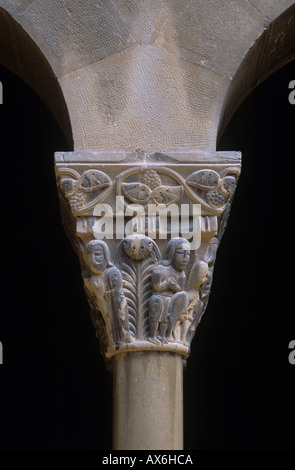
239	387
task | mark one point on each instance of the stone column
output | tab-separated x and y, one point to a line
146	228
147	403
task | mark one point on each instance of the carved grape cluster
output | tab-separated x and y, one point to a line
78	200
215	198
151	179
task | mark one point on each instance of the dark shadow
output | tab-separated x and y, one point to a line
271	51
55	393
239	385
20	54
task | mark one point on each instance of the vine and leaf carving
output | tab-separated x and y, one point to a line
216	189
85	190
145	186
149	189
207	187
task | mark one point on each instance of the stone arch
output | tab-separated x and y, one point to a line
165	76
274	48
20	54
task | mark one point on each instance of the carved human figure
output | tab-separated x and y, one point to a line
168	299
188	314
104	287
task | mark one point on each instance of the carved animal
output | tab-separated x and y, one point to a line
69	186
137	248
136	192
167	194
150	188
204	179
91	180
229	184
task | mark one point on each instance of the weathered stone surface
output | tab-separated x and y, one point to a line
133	68
146	20
197	33
272	8
148	412
11	5
143	98
75	34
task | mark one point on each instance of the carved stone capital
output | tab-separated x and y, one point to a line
146	228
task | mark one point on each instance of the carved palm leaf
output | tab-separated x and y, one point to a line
137	287
146	267
128	273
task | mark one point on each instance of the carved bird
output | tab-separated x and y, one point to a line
76	190
205	180
229	184
214	189
166	194
92	180
151	189
137	192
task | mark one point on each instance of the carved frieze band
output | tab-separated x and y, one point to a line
144	186
146	293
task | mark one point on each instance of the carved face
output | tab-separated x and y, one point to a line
69	186
96	259
137	248
229	183
181	258
201	274
204	276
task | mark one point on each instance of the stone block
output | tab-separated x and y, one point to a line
74	34
213	34
144	98
145	20
272	8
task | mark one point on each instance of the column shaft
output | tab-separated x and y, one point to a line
148	401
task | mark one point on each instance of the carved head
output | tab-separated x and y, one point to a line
177	253
137	247
201	274
229	184
98	256
69	186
